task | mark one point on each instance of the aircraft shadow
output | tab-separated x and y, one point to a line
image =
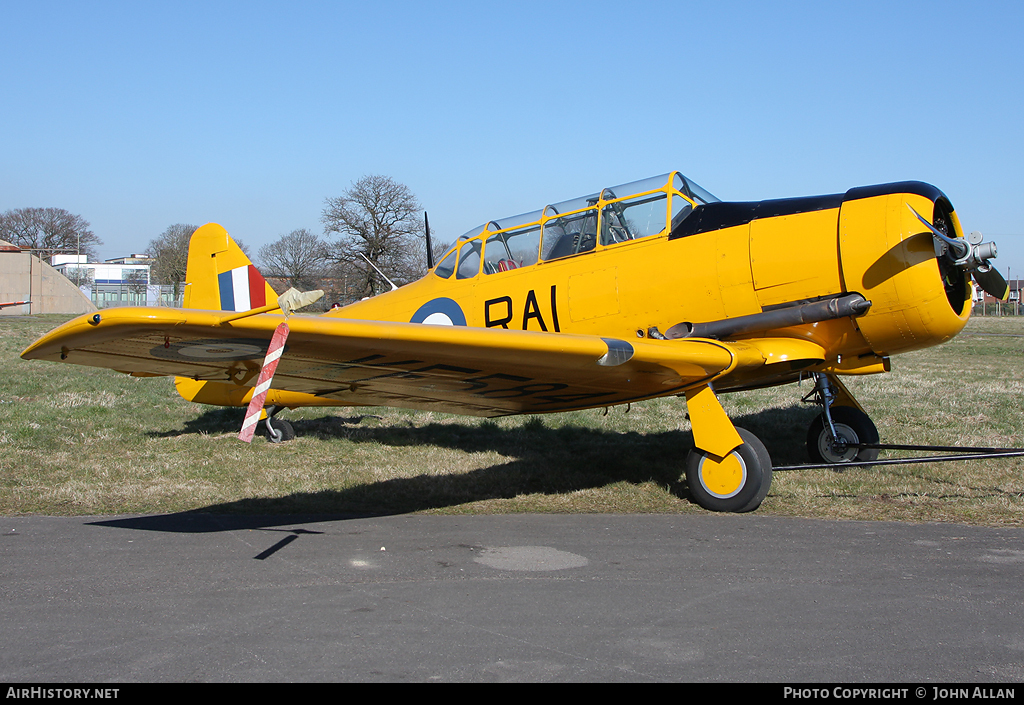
543	460
212	421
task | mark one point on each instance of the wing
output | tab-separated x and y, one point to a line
455	369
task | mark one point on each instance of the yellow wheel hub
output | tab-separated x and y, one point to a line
723	479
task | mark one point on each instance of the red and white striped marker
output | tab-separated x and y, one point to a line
259	394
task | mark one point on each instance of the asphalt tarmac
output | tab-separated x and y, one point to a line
610	598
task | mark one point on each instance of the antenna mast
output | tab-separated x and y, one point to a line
430	248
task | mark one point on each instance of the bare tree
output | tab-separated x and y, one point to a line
439	248
379	219
53	229
81	276
137	281
170	256
301	257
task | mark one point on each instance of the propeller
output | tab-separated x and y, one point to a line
971	254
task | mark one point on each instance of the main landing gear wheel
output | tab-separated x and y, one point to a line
737	483
279	430
852	426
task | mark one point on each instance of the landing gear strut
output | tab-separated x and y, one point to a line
837	428
278	430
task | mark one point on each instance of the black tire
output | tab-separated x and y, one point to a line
853	425
281	431
744	484
766	469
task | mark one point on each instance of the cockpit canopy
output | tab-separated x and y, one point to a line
613	216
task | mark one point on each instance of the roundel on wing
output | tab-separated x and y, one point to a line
440	312
230	350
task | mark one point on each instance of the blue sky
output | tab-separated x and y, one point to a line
140	115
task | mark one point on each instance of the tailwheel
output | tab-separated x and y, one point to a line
737	483
279	430
852	426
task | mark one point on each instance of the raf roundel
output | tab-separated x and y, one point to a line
440	312
213	349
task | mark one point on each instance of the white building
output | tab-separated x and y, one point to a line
123	281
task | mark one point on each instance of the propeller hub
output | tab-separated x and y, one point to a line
985	251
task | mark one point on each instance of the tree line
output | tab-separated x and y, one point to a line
376	220
49	231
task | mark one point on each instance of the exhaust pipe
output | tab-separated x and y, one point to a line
795	315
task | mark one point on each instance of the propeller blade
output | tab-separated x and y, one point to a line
960	248
992	282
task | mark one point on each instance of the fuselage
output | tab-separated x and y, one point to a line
717	261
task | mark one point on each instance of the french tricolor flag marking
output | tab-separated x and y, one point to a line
242	289
259	394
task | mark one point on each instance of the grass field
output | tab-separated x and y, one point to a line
82	441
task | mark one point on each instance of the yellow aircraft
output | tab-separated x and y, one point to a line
650	289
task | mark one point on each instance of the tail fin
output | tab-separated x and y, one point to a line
220	277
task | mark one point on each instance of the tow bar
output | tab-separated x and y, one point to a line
962	453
